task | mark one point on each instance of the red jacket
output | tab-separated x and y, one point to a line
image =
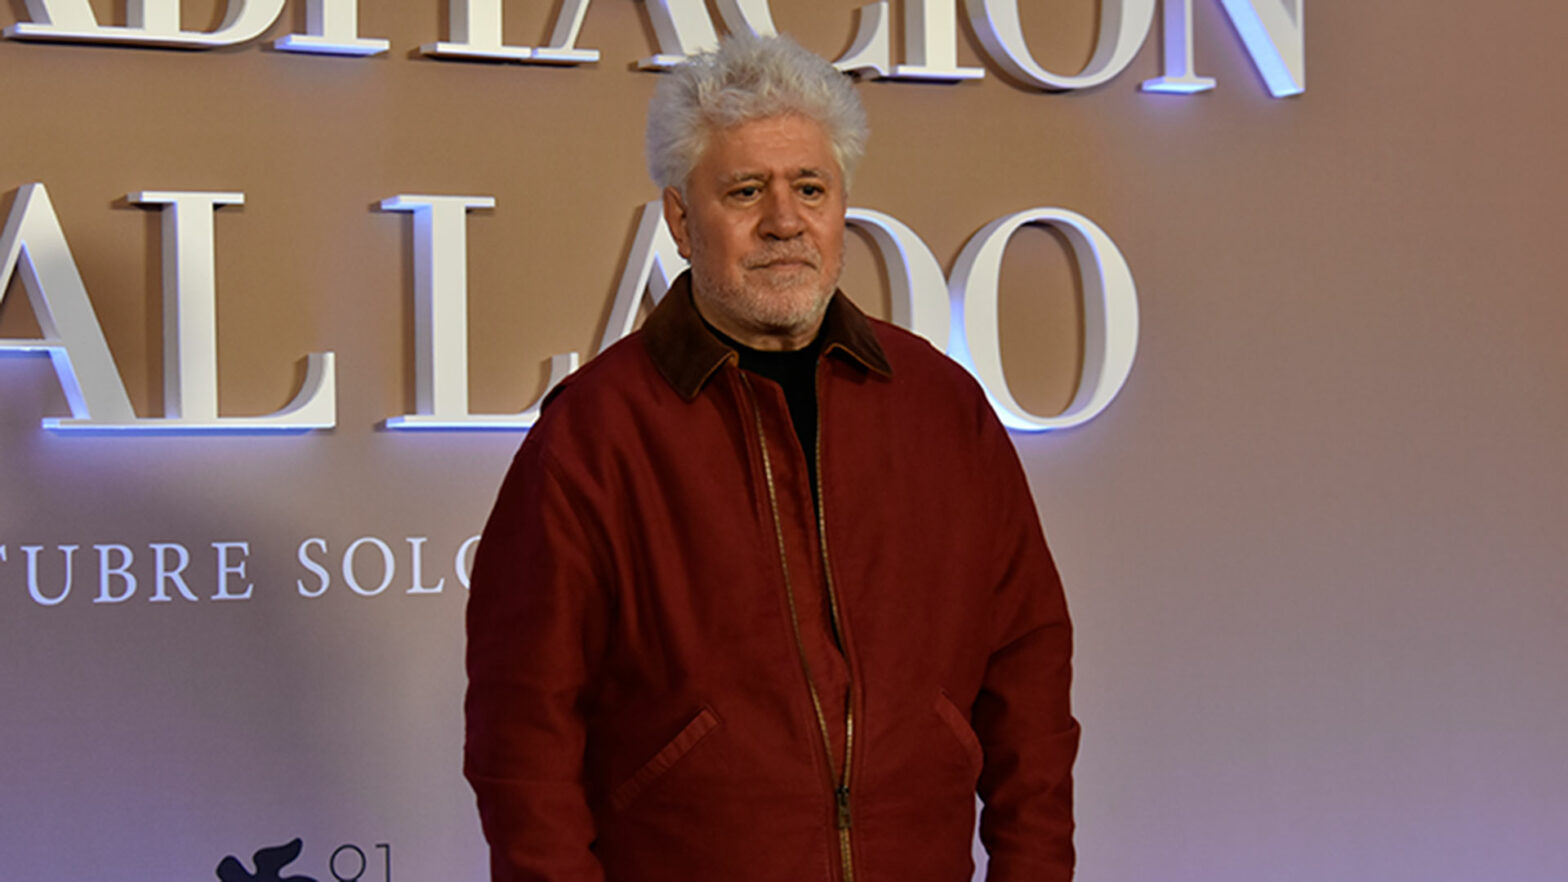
656	691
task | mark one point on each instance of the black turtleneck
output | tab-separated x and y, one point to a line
796	371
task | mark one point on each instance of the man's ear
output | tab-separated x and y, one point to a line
675	219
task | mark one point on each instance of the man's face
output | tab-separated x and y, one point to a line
762	223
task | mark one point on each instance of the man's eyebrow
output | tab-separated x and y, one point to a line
795	175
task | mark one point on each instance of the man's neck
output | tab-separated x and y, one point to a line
762	339
752	355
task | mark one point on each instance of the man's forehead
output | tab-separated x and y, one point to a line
740	174
788	143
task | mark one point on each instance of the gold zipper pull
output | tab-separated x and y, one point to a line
843	807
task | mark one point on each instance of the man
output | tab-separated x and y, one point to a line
764	595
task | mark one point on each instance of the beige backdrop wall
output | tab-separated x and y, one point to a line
1314	549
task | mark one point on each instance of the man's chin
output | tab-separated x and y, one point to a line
784	277
791	307
789	316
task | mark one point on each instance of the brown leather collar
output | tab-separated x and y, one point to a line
687	354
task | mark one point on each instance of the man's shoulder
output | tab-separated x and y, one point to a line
617	379
934	393
918	362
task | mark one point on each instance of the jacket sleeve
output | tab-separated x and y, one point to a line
536	622
1022	713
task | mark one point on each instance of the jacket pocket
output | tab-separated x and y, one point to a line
679	746
959	726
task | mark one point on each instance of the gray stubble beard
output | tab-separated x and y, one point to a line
754	313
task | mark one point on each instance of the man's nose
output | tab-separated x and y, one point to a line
781	218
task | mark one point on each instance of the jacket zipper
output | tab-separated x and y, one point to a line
838	779
838	634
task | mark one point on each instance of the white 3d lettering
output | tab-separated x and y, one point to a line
117	580
920	300
441	320
1110	316
1271	32
33	241
123	571
332	29
416	545
147	23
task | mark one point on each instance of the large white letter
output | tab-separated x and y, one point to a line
32	574
71	335
190	334
563	39
931	43
747	16
323	578
653	251
475	31
388	566
190	301
1123	26
1176	52
870	52
463	561
914	277
441	320
163	575
416	547
1273	34
148	23
1110	316
1275	37
226	569
332	28
475	27
123	570
683	28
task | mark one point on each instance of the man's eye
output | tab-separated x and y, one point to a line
812	190
747	192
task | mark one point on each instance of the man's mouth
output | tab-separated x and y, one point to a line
784	263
